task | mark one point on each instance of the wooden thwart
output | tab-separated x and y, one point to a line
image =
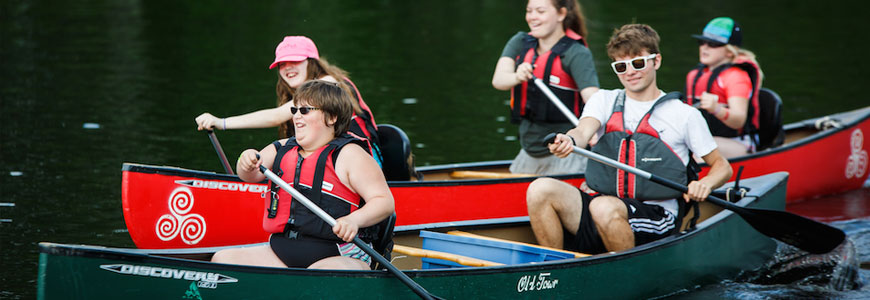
487	175
471	235
462	260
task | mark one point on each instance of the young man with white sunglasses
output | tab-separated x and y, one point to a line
645	128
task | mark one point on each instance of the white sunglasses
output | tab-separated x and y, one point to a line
637	63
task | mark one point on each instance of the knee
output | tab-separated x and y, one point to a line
539	192
221	256
605	209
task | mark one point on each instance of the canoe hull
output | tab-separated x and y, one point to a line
826	162
722	246
168	207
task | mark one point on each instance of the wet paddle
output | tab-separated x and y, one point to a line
792	229
220	152
419	290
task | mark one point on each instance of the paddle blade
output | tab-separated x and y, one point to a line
792	229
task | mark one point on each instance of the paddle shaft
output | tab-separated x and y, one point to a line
651	177
558	103
789	228
419	290
220	152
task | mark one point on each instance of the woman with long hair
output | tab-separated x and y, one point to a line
555	51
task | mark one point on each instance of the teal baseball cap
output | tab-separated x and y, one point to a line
722	30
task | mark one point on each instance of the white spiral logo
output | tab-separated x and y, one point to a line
191	226
856	164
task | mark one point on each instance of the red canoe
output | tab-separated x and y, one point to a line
169	207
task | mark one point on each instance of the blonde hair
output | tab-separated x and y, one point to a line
744	54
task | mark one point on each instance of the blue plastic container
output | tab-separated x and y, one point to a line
494	251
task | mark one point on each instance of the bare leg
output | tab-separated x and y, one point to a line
553	205
340	263
730	148
611	219
255	256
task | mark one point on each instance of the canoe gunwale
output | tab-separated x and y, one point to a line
863	114
155	257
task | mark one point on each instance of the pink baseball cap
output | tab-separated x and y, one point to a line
294	48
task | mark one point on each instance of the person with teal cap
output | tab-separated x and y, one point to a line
725	86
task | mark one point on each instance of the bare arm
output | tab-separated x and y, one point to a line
720	172
359	171
563	145
508	75
248	165
587	92
736	110
264	118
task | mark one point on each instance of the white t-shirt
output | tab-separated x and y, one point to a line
679	125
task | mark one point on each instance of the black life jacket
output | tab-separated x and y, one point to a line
527	101
297	221
717	127
642	149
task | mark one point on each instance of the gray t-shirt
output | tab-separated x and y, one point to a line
577	61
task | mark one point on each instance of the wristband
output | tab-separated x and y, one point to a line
225	124
726	116
574	142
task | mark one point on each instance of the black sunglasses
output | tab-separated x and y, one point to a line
304	110
711	44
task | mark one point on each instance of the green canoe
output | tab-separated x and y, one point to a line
719	248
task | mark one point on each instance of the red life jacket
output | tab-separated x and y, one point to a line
642	149
706	80
363	125
315	178
527	101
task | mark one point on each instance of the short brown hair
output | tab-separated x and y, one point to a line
631	40
332	100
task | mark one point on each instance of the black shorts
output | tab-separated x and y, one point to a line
301	253
648	222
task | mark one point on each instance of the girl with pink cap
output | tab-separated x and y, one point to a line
298	61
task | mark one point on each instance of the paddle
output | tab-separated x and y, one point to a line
567	112
792	229
220	152
419	290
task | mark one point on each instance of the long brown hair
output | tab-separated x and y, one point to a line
317	68
574	19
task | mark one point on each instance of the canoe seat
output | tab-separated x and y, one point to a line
770	133
383	244
397	160
487	175
459	259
